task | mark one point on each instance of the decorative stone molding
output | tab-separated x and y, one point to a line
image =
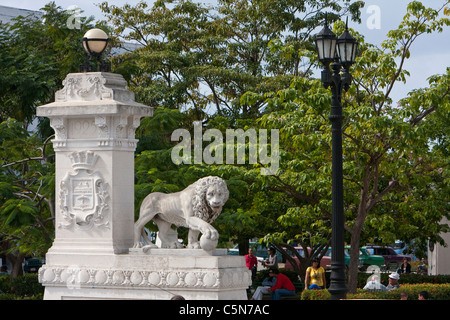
102	124
94	86
59	125
121	125
94	110
81	276
83	195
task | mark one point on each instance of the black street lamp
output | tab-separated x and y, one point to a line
94	43
340	53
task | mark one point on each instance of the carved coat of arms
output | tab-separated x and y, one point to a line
83	194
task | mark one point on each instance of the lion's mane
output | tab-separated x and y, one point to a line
200	206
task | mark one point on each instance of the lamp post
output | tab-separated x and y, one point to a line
340	53
94	43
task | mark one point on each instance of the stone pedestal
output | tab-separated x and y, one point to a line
95	117
159	274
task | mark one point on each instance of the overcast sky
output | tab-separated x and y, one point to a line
430	54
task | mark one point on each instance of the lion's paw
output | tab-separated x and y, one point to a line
195	245
138	245
171	245
211	234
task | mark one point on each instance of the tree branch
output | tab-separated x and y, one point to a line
43	157
23	160
419	118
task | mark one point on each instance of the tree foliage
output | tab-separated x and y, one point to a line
26	194
35	56
252	60
395	181
207	58
394	155
246	64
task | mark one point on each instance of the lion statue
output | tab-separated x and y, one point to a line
195	207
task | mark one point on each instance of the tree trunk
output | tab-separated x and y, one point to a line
288	252
355	231
243	247
16	261
354	261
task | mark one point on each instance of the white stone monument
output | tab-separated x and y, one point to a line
92	257
439	256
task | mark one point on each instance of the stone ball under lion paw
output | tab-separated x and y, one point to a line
208	244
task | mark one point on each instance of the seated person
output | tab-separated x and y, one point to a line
283	285
393	281
315	276
264	289
375	285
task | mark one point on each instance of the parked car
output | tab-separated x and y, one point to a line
368	259
365	259
346	256
392	259
259	251
325	262
400	247
32	265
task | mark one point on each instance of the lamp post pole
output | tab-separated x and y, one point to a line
327	44
338	287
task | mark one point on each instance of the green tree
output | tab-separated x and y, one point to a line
203	59
160	70
193	57
35	57
26	194
265	42
401	186
237	57
395	166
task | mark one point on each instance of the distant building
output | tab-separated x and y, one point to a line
8	13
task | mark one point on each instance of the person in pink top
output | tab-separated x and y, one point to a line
251	262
